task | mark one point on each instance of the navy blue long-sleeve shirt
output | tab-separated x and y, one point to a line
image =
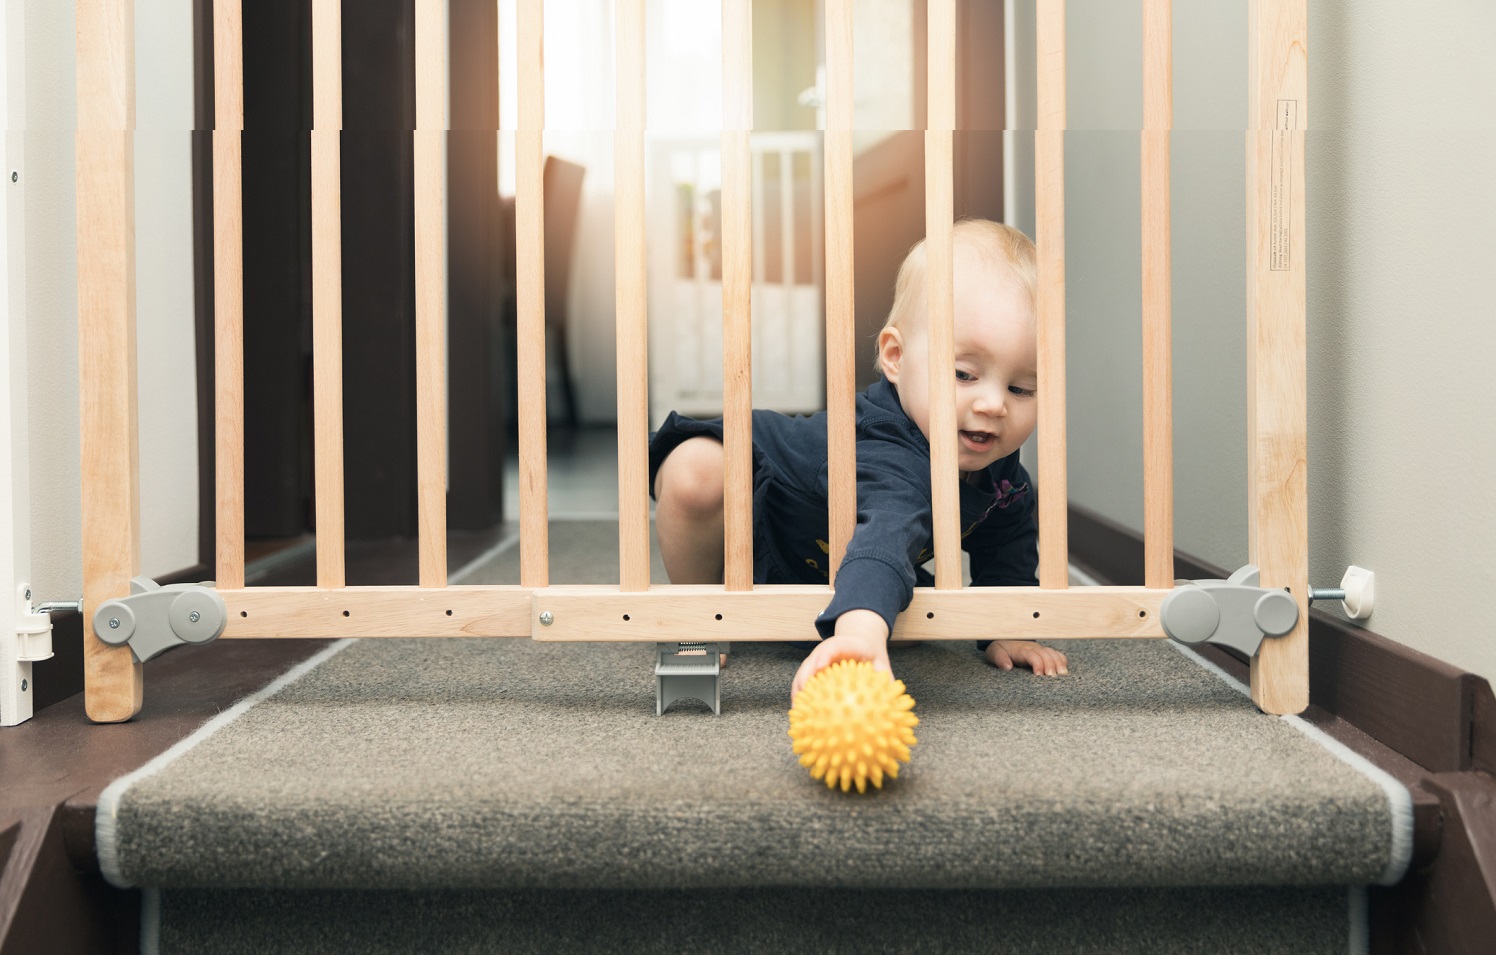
893	536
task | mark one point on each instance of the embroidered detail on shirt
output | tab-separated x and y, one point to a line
825	549
1008	494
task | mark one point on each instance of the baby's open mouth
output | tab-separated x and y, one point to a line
977	440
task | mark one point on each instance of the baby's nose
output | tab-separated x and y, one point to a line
990	402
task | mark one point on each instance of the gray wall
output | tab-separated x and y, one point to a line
1400	294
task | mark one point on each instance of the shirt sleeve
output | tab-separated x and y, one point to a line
893	523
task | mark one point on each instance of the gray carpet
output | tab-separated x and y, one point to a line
503	795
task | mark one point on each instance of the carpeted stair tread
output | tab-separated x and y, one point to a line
516	765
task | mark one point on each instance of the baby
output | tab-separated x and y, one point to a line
996	373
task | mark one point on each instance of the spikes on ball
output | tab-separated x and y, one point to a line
851	724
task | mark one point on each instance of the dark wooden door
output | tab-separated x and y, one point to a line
378	269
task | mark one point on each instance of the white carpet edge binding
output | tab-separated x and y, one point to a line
106	815
1399	800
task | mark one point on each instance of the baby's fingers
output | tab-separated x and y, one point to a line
1050	662
999	657
820	658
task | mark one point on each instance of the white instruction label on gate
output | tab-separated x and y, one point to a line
1281	234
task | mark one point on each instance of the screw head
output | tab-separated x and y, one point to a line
24	684
194	616
28	594
547	618
113	623
15	177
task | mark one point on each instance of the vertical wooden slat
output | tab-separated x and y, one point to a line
1277	411
228	291
431	290
105	35
529	233
1049	222
737	290
841	336
1158	391
633	324
940	299
327	288
109	446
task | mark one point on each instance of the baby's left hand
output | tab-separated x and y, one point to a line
1042	660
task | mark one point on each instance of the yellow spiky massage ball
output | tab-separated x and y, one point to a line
851	723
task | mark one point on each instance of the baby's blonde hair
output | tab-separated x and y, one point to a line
994	243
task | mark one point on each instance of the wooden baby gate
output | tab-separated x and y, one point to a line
736	610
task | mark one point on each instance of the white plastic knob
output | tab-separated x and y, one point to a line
1360	592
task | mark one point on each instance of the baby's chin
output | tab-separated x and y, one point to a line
978	462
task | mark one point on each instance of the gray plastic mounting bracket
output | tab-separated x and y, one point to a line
153	619
1234	612
689	671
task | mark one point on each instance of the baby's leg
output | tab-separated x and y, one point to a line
688	512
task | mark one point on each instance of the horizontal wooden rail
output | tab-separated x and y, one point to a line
771	613
452	611
605	613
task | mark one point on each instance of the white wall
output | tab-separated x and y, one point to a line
164	316
882	69
1401	289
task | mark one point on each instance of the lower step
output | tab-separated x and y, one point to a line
1263	921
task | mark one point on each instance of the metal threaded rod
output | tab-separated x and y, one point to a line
53	606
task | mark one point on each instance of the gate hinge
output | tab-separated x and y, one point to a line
153	619
1234	612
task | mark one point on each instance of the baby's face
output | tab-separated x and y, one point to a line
996	368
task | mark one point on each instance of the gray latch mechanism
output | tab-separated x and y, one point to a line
689	671
1234	612
153	619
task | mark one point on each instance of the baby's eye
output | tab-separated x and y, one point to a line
1022	392
965	375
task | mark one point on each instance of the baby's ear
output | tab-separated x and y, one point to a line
890	352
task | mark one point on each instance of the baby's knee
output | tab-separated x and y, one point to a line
690	477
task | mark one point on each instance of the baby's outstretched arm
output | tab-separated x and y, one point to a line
860	635
1045	661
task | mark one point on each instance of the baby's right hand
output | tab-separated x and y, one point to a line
860	635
